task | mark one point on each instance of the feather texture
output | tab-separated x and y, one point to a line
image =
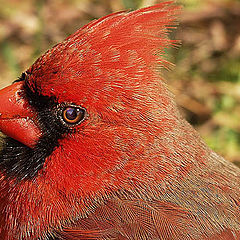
134	168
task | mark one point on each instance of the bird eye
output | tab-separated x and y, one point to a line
73	115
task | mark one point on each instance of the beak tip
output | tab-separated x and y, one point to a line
16	119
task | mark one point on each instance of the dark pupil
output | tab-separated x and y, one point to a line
71	113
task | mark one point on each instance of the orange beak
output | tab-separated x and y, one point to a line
17	119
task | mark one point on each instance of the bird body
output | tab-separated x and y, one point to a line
96	148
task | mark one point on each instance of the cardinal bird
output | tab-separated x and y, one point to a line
94	146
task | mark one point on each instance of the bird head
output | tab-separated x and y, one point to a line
90	116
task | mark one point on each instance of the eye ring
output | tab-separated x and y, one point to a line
73	115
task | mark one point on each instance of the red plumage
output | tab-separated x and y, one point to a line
132	168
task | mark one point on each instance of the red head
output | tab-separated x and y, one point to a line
108	70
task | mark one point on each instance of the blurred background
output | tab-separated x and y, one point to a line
205	80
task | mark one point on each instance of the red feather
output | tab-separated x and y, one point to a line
133	169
